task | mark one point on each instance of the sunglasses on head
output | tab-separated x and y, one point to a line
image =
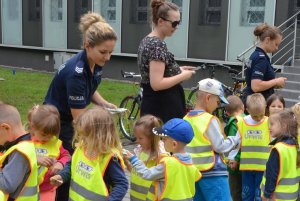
173	23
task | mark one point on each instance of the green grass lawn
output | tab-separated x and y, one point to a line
26	88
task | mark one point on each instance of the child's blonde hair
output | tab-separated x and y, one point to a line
95	131
288	122
44	118
256	102
147	123
235	104
296	110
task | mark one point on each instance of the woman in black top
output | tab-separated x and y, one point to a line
260	75
163	96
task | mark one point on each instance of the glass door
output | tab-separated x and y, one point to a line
55	24
12	22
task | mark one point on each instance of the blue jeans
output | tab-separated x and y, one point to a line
212	189
251	185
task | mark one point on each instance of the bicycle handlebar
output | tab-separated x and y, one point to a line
126	74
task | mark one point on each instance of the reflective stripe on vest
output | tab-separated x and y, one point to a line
255	145
200	147
179	181
87	175
51	149
30	189
139	187
88	195
288	178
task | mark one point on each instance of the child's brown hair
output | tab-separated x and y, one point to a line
95	131
271	99
147	123
289	126
235	104
44	118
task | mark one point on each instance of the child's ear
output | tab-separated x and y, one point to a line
175	143
5	126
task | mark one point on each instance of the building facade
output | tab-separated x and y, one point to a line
42	34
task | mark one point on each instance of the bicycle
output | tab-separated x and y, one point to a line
236	89
133	105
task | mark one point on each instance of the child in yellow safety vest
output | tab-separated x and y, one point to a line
209	143
281	178
44	125
18	162
149	150
235	109
96	170
175	176
255	139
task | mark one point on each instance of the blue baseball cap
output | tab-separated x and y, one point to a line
178	129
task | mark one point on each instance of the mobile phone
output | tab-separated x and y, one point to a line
202	67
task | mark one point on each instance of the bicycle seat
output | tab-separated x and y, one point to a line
238	79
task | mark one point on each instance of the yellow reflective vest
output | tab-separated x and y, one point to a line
200	147
30	189
87	176
51	149
255	148
287	185
139	187
179	181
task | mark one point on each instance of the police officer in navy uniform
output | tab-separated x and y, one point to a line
260	75
75	84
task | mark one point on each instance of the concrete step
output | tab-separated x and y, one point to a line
291	69
290	76
297	62
290	102
289	94
293	85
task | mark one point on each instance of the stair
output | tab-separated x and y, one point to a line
291	91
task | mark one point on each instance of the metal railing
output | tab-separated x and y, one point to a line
286	54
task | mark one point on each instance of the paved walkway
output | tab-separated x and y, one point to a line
129	146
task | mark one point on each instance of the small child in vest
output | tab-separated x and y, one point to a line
174	176
19	171
149	150
235	110
44	125
96	170
280	181
255	139
209	143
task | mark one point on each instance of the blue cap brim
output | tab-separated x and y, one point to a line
159	132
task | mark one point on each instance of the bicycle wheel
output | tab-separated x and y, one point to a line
126	119
190	102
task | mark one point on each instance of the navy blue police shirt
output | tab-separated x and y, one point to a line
73	85
259	67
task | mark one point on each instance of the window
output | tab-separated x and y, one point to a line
56	10
210	12
139	12
179	4
111	11
253	12
34	10
13	13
